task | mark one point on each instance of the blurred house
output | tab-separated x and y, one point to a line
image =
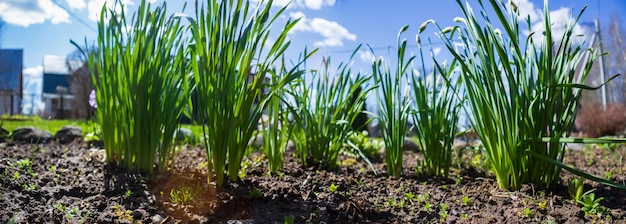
11	81
57	96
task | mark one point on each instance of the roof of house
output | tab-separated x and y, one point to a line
55	73
10	68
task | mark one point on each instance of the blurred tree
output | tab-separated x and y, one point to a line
591	119
80	85
615	62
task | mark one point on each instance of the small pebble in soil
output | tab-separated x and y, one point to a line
156	218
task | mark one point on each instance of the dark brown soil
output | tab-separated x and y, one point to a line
81	188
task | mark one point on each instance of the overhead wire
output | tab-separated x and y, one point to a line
81	21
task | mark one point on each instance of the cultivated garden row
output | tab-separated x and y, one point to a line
520	92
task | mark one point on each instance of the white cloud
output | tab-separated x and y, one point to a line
560	19
307	4
302	25
367	56
33	83
334	33
26	13
33	72
526	8
76	4
281	3
276	3
436	51
95	7
315	4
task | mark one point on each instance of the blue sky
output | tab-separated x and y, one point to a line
44	27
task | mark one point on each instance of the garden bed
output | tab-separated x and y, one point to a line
71	183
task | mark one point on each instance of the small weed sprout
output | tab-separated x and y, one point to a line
575	188
444	206
128	193
333	188
28	187
542	204
409	195
392	202
591	205
24	164
542	194
527	212
466	201
427	207
423	198
70	213
443	215
183	195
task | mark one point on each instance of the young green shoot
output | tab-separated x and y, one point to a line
333	188
591	205
409	195
183	195
576	188
394	103
466	201
527	212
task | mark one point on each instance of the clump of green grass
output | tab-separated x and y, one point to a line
324	111
278	129
230	63
394	104
140	84
520	89
436	112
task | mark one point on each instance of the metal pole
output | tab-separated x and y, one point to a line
11	109
61	112
602	74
